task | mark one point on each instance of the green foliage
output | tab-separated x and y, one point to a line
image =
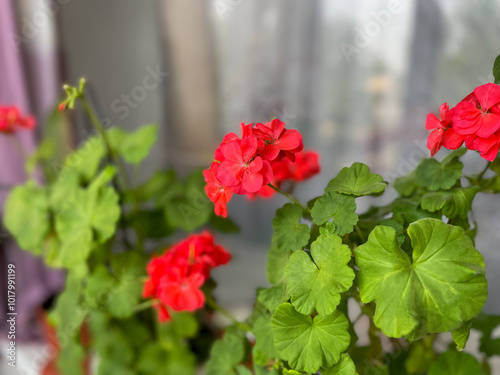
455	363
309	343
226	354
264	337
453	203
288	234
496	70
435	175
344	367
357	180
339	208
28	201
486	324
316	284
133	146
435	292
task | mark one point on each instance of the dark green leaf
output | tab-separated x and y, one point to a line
340	208
288	234
456	363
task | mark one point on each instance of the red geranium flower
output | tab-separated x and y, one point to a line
278	140
175	278
479	112
243	170
216	191
11	119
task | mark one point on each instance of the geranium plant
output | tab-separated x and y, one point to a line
142	304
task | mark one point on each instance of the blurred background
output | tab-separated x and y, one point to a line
357	78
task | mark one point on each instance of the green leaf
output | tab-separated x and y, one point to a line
421	355
191	210
133	146
496	70
317	284
70	359
86	212
125	296
288	234
276	263
183	325
443	287
306	343
461	335
224	225
435	175
225	355
27	216
272	297
453	203
340	208
344	367
85	160
264	337
406	186
456	363
487	325
357	180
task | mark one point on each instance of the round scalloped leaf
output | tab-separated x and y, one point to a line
443	287
357	180
456	363
339	208
306	343
436	175
317	284
344	367
288	234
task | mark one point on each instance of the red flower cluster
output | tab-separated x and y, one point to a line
245	165
305	166
11	119
475	121
175	278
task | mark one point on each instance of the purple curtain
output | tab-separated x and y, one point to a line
35	283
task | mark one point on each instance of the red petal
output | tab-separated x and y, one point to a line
452	140
252	182
270	152
434	141
444	110
490	123
289	140
432	122
232	152
249	148
488	95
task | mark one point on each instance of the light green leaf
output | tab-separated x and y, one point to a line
306	343
272	297
357	180
456	363
264	337
70	359
344	367
461	335
85	160
86	212
317	284
435	175
288	234
225	355
133	146
276	263
406	186
453	203
125	296
340	208
27	216
443	287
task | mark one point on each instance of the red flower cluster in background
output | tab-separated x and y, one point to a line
475	121
11	120
175	278
265	153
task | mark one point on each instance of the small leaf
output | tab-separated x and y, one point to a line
317	284
272	297
406	186
443	287
306	343
85	160
357	180
133	146
456	363
344	367
288	234
27	216
434	175
340	208
453	203
225	355
276	263
496	70
264	337
461	335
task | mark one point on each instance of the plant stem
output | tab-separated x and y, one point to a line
292	198
211	302
144	306
481	174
